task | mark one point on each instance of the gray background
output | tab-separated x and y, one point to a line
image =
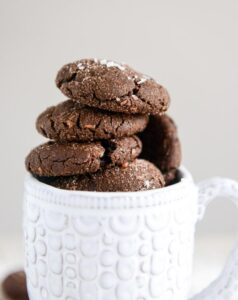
191	47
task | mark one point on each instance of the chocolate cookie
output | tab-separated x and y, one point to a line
112	86
161	144
71	121
171	176
14	286
139	175
121	151
64	159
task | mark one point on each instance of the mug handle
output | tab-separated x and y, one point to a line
225	287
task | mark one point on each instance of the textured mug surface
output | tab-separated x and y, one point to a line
109	246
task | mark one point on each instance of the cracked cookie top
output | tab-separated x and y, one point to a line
112	86
71	121
139	175
65	159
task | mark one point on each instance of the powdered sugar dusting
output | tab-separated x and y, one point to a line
147	184
110	63
143	79
134	97
80	66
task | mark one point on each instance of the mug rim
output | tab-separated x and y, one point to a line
49	195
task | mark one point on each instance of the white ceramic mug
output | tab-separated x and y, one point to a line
120	246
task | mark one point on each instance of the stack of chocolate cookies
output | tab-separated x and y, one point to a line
93	144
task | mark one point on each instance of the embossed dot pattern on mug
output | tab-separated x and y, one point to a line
93	257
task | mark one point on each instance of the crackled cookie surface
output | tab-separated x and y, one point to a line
71	121
139	175
64	159
112	86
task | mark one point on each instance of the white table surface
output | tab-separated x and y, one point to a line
210	255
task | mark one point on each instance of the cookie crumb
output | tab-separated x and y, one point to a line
70	123
125	165
124	102
89	126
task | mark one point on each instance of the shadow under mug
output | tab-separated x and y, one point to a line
119	246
